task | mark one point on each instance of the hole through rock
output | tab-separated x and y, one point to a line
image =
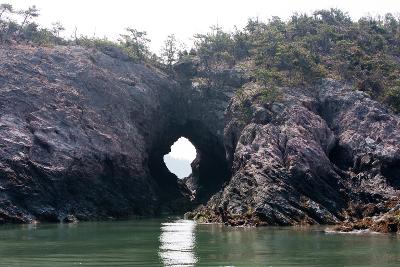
179	159
205	168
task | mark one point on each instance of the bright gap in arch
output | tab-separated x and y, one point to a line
181	156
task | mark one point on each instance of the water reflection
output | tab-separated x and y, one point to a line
177	242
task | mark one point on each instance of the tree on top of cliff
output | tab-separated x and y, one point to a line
300	51
27	30
214	47
135	44
28	14
169	51
4	8
57	27
4	24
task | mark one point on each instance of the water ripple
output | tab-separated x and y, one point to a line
177	243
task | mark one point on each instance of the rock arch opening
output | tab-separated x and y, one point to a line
180	158
209	169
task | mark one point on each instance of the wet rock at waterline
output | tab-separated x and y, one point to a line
322	155
76	129
83	134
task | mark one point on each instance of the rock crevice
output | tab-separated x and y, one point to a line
83	134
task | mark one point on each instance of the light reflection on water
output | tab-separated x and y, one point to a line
171	242
177	243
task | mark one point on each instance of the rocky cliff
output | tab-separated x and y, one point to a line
325	154
83	134
76	129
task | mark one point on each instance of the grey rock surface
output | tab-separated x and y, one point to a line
76	126
83	133
319	155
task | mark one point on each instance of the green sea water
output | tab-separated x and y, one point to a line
177	242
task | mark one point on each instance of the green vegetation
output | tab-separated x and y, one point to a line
135	44
392	97
297	52
13	31
300	51
243	95
169	51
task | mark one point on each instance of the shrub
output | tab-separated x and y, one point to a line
392	98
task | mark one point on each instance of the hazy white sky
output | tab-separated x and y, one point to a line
181	17
183	149
179	159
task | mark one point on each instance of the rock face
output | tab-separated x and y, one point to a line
76	128
83	134
321	155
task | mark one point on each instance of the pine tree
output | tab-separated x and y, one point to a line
169	51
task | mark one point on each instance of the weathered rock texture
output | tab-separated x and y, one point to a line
319	155
76	128
83	134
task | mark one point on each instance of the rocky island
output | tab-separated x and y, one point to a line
83	129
